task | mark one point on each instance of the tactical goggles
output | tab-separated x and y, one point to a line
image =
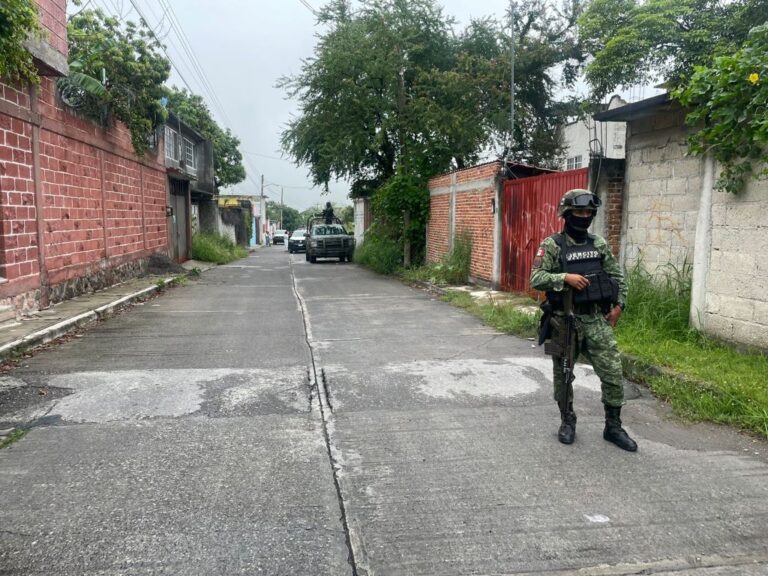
585	201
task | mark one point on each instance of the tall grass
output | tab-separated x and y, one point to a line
708	380
216	248
453	270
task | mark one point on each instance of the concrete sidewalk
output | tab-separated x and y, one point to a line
56	321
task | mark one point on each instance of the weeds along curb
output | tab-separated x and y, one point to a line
641	372
427	286
8	351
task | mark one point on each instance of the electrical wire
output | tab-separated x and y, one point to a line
308	6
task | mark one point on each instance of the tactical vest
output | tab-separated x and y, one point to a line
587	261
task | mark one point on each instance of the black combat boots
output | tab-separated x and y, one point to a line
567	432
614	432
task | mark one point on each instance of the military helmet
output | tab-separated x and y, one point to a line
578	198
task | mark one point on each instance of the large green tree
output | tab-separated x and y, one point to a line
391	87
117	72
640	41
393	95
228	160
709	55
291	219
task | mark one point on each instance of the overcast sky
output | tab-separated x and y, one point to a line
243	47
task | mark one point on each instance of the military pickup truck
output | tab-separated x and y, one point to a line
328	240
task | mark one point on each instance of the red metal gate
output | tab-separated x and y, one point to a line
529	214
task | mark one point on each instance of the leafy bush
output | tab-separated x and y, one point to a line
379	252
216	248
727	101
18	18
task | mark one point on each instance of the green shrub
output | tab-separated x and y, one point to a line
216	248
379	253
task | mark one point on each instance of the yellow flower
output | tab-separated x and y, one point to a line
754	78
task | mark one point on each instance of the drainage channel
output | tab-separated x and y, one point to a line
320	386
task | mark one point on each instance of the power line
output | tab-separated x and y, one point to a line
308	6
187	47
151	32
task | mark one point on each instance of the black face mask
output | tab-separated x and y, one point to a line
576	226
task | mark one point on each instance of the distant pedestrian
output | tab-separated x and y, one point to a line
267	239
578	268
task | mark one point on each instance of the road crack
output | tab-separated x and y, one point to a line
319	384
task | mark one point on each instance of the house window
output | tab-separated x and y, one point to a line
189	154
171	144
573	162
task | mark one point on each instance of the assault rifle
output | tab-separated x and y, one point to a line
569	351
564	348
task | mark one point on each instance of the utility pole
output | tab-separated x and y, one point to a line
281	207
263	206
512	79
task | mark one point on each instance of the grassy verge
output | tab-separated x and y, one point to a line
216	248
701	378
505	316
707	380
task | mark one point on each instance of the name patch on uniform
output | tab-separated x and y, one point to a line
582	255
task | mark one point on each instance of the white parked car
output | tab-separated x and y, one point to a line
279	237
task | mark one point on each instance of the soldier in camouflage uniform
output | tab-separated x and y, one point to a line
587	258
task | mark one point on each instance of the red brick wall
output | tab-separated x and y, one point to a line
71	185
438	241
17	197
101	206
475	190
613	207
52	15
473	213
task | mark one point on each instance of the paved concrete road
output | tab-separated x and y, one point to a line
282	417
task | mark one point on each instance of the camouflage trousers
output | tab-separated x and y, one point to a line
596	342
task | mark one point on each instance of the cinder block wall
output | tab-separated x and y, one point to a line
664	187
463	201
80	210
737	289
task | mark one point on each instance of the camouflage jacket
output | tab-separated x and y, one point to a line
546	274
